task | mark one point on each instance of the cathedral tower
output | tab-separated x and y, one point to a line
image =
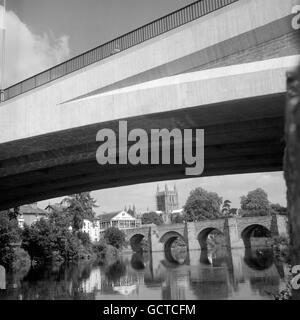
167	201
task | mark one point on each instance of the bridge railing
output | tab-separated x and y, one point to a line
128	40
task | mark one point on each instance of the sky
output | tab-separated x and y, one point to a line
231	187
42	33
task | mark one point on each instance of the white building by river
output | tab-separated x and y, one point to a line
119	219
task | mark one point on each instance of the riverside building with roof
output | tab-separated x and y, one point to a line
29	214
118	219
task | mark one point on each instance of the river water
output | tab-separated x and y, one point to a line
200	275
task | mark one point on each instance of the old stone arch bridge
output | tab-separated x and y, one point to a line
237	232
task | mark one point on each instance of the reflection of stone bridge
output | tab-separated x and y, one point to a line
237	232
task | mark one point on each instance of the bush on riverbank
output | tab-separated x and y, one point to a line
20	260
9	235
46	241
105	252
115	237
280	245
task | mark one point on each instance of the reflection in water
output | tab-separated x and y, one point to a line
259	259
137	261
2	278
219	274
115	271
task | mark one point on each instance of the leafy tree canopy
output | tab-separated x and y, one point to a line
114	237
9	234
39	240
226	207
278	209
61	218
256	203
178	218
152	217
202	205
45	240
79	207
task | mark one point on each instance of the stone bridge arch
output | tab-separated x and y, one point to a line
204	233
198	232
249	230
266	225
135	241
134	238
167	239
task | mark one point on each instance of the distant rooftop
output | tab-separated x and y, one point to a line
56	207
106	217
32	209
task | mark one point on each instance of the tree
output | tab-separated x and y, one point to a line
38	240
9	233
114	237
61	218
79	207
152	217
256	203
84	238
13	213
178	218
233	211
45	240
278	209
202	205
226	207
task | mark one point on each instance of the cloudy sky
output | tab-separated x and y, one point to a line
42	33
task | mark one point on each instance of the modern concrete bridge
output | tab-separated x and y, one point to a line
237	233
213	65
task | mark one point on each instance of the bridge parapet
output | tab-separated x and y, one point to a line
215	224
174	227
141	230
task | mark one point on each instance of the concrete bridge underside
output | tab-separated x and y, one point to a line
242	135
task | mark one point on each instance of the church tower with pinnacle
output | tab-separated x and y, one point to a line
167	201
